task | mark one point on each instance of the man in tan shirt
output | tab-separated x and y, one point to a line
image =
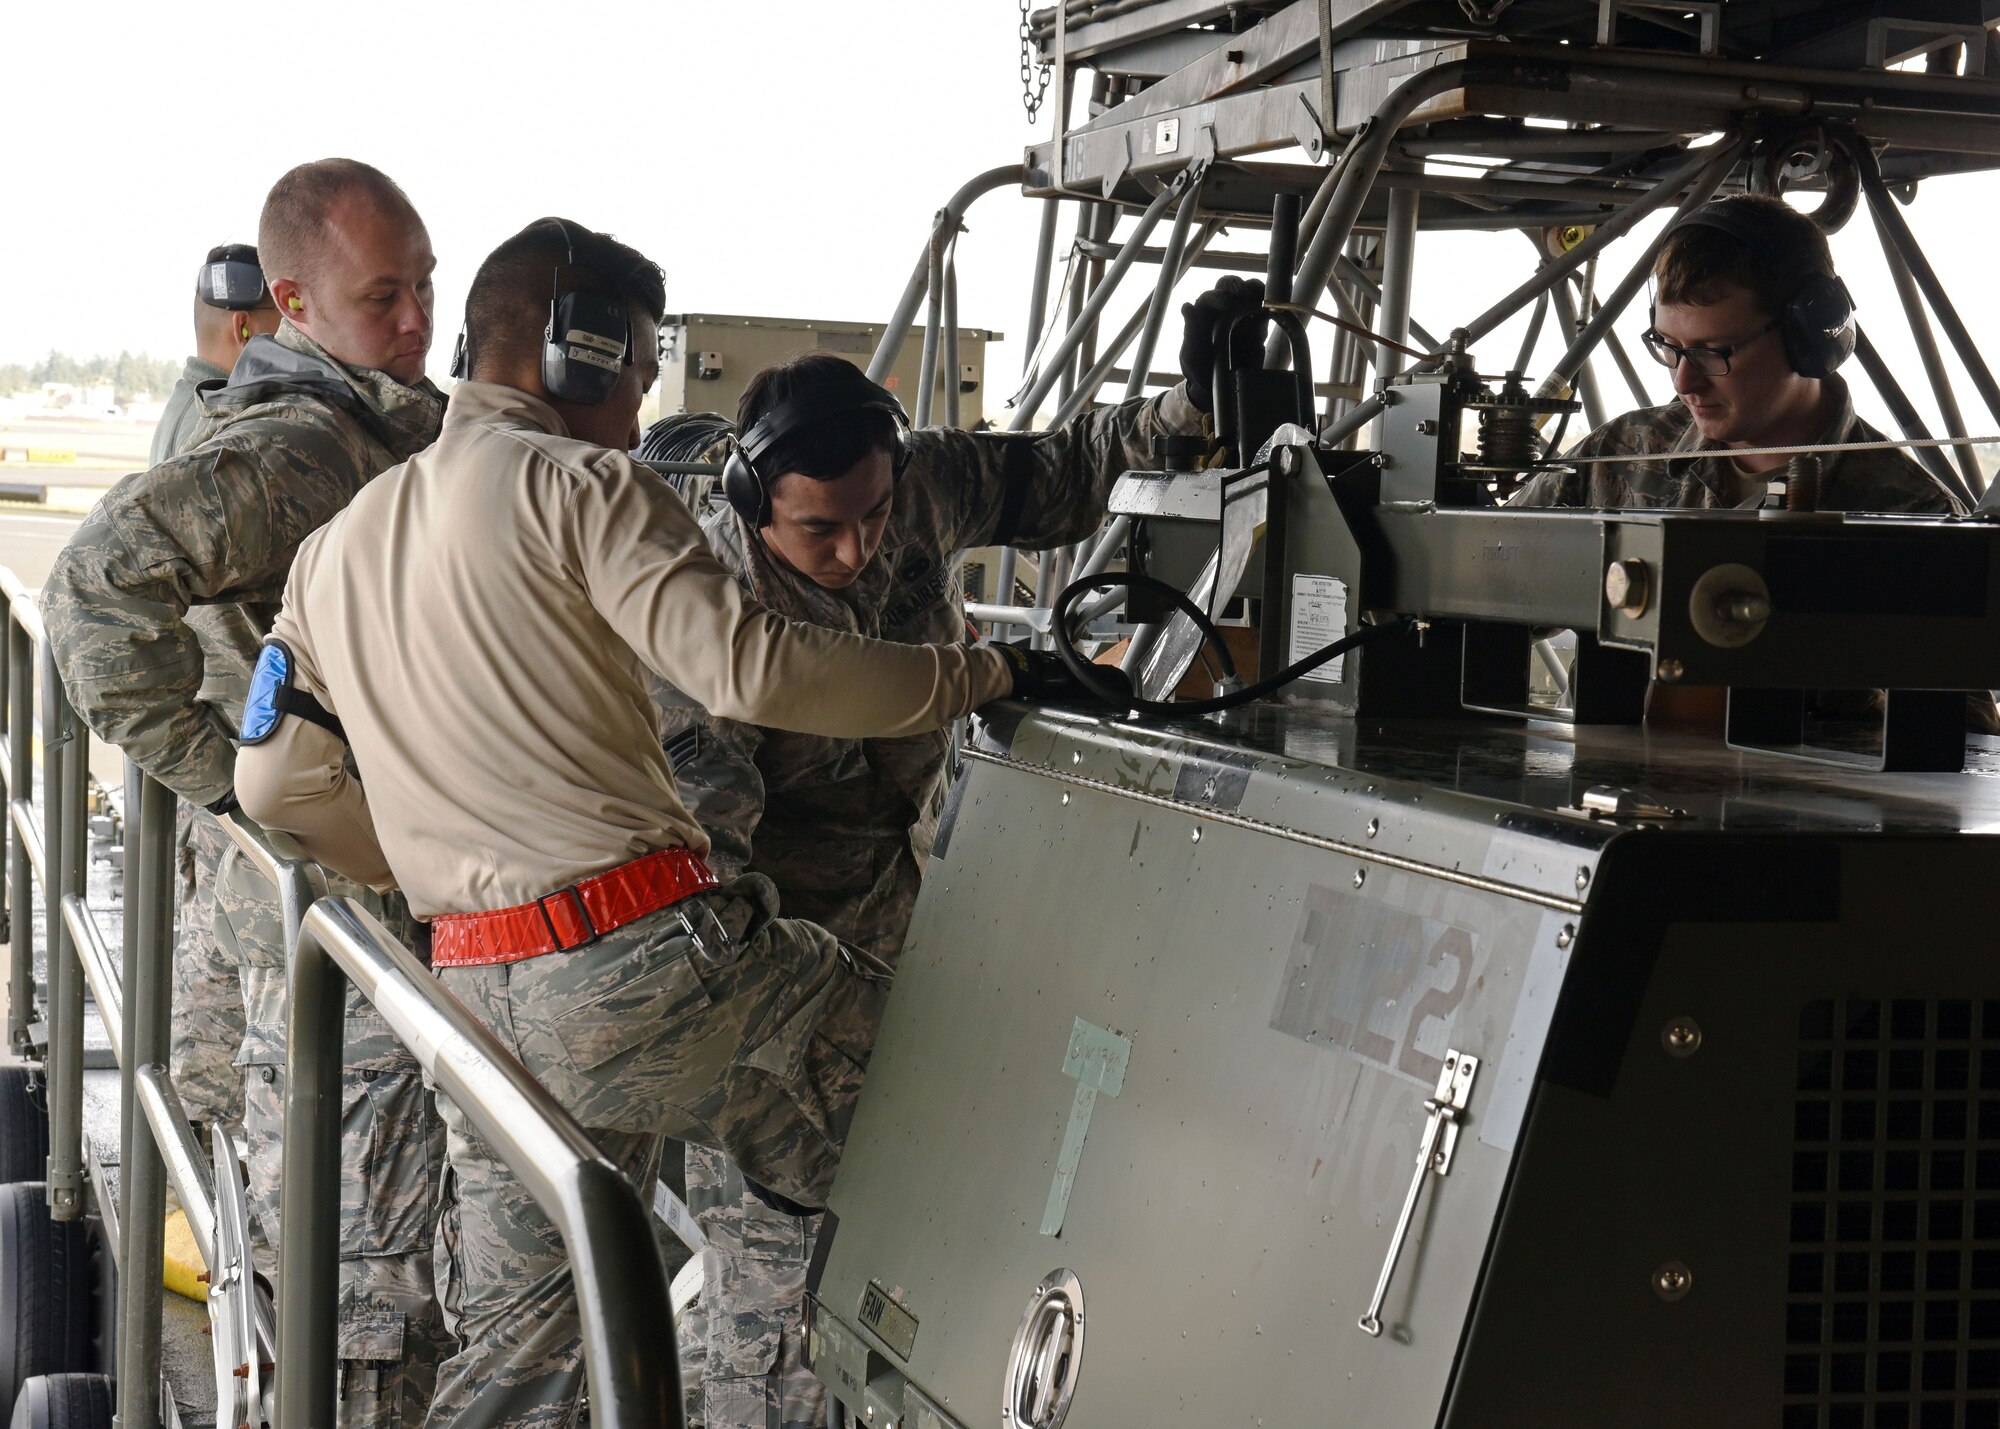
480	623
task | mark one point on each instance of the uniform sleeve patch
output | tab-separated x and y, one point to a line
683	747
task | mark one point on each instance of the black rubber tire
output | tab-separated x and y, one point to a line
24	1125
46	1283
65	1401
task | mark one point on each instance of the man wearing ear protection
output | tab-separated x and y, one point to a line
155	613
842	516
516	791
1751	320
231	306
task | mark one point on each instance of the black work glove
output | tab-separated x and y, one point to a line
1041	677
1207	317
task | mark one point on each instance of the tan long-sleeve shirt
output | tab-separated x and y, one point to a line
482	618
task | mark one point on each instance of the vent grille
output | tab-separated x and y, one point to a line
1893	1306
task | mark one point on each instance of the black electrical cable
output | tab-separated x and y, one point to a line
1092	678
685	436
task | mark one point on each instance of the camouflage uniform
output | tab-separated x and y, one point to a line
842	826
392	1335
1849	481
154	612
750	1031
207	995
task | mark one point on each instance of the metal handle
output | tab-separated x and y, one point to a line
1433	1155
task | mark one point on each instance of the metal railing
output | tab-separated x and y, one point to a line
332	943
634	1376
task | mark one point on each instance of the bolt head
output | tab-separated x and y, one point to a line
1672	1281
1374	827
1360	876
1671	672
1566	936
1627	586
1681	1037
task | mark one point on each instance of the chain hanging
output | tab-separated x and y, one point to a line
1034	79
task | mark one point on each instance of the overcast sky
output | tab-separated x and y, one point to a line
775	156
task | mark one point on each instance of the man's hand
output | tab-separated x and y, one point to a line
1208	317
1041	678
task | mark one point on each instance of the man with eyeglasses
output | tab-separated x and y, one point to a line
1751	320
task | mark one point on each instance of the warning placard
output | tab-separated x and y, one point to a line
1319	617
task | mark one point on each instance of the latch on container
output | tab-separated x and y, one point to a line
1433	1155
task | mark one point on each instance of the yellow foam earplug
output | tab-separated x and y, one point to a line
185	1273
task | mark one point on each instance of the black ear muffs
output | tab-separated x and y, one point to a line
1819	326
744	489
230	278
1817	323
588	340
587	343
744	484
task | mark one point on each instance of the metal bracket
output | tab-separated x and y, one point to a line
1434	1152
1611	802
1710	15
1894	41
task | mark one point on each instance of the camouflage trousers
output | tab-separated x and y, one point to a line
207	995
746	1333
733	1028
391	1332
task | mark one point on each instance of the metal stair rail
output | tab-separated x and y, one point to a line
634	1384
621	1290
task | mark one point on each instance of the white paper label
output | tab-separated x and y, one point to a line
1319	617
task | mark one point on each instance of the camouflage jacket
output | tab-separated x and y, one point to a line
1684	476
842	825
285	444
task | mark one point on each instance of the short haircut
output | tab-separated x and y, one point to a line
827	449
291	231
507	307
1699	261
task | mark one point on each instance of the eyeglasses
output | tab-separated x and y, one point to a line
1708	361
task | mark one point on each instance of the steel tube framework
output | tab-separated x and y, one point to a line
65	775
1086	319
949	217
142	1177
1927	350
1897	230
1904	411
1613	307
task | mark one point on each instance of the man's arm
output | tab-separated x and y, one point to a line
115	604
1041	489
298	782
650	573
715	767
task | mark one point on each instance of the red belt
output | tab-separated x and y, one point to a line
572	917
